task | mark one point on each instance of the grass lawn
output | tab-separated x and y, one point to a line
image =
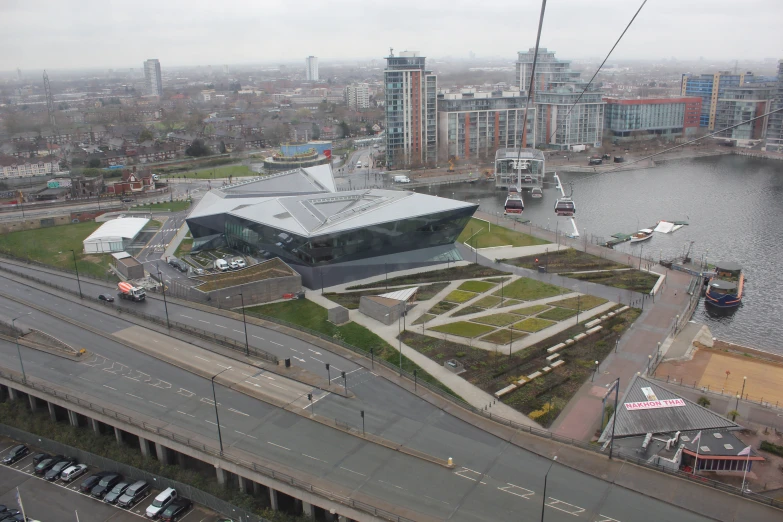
153	223
442	308
424	318
310	315
184	247
476	286
530	310
53	245
570	260
458	296
482	234
557	314
173	206
351	300
463	329
236	171
635	280
529	290
487	302
503	336
472	271
467	310
533	324
582	302
496	319
496	279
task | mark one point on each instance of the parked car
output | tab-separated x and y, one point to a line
595	161
72	472
3	509
10	514
54	473
90	482
116	492
106	297
45	465
161	502
176	510
105	485
38	457
234	264
16	453
135	492
127	200
241	263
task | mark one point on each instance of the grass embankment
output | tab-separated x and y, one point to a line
351	300
310	315
569	260
492	371
463	329
459	296
52	246
476	286
267	270
234	171
184	248
482	234
472	271
173	206
580	302
634	280
528	290
18	415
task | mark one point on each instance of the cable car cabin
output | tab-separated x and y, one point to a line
514	203
565	207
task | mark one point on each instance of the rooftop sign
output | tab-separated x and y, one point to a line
651	405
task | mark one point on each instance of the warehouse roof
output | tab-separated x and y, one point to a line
125	228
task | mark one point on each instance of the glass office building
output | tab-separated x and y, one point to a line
340	236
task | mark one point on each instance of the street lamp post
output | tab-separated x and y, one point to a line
19	350
328	374
744	380
649	364
244	321
415	380
362	414
595	370
165	304
616	386
345	382
399	338
543	502
214	401
78	282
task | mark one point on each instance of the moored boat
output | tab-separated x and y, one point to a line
642	235
724	290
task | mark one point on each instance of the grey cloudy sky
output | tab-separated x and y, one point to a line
112	33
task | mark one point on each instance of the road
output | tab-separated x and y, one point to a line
58	502
493	480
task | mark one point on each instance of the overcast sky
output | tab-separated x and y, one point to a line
58	34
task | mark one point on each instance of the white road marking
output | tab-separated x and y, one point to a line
88	380
317	353
188	414
214	424
566	507
468	470
352	471
604	518
220	326
218	364
135	396
239	331
186	393
319	360
278	344
299	359
389	483
257	337
437	500
209	401
356	370
203	321
181	315
158	404
107	386
278	445
314	458
519	491
276	386
318	399
197	357
239	412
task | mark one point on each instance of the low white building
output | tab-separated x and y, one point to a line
11	167
114	236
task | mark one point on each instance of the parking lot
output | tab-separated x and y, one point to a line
59	502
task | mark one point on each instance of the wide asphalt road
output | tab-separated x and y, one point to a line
493	480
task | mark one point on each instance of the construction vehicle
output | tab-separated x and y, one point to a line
130	292
451	166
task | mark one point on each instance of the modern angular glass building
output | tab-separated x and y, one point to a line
329	237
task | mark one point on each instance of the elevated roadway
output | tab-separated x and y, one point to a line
493	477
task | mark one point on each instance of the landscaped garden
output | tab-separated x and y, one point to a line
634	280
569	260
351	300
527	289
482	234
544	397
471	271
463	329
459	296
581	302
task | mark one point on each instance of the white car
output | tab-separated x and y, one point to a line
71	472
234	264
241	263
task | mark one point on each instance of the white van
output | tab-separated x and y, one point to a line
358	164
160	503
222	265
402	179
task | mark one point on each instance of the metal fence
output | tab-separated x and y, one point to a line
131	473
204	448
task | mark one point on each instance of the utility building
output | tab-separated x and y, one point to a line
114	236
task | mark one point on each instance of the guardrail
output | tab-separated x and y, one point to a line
208	450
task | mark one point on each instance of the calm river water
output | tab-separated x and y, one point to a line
734	207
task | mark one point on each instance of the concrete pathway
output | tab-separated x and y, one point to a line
509	252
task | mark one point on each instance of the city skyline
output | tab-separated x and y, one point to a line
175	35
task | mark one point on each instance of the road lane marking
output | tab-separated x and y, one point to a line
526	495
220	326
203	321
278	344
107	386
209	401
197	357
246	435
257	337
188	414
437	500
318	399
604	518
239	331
214	424
299	359
468	470
314	458
218	364
389	483
566	507
181	315
352	471
135	396
278	445
239	412
158	404
317	353
356	370
276	386
319	360
88	380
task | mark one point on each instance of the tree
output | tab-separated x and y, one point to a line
345	129
198	148
222	147
703	401
94	163
146	135
733	414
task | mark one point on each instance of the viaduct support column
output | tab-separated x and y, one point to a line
33	403
273	499
163	453
96	427
73	418
12	394
144	444
244	484
52	412
118	435
221	476
308	510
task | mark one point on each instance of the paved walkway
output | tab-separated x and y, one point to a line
509	252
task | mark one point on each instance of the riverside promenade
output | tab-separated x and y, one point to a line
582	416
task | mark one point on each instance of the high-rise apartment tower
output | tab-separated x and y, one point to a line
153	78
311	68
